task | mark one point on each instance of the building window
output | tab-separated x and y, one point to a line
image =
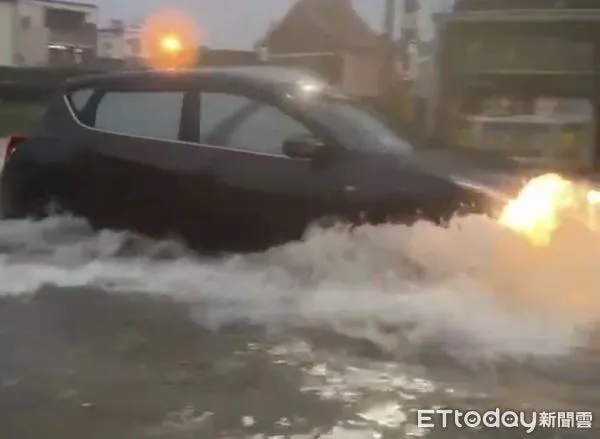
25	22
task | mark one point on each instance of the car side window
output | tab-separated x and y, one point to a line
80	98
154	114
216	110
240	122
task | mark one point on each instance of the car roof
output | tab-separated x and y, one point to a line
264	76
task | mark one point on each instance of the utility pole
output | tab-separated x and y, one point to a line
388	49
389	19
409	31
411	110
409	35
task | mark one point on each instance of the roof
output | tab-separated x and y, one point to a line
320	25
481	5
110	30
71	3
523	16
253	75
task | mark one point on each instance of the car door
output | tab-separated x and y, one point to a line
265	196
137	156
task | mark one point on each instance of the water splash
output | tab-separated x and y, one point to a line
475	287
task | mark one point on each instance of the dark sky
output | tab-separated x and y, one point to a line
230	23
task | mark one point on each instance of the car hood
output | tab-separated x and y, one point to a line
449	182
498	185
494	187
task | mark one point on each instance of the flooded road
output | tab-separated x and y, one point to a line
344	335
340	336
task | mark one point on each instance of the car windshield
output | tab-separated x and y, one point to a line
360	128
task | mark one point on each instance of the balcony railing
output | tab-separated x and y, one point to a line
82	37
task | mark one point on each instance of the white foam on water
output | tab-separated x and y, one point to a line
474	288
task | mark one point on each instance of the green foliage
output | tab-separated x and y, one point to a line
18	117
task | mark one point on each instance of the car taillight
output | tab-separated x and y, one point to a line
11	145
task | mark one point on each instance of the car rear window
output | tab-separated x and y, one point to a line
79	98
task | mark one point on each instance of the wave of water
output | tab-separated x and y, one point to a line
474	287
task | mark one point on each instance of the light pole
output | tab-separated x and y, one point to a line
409	34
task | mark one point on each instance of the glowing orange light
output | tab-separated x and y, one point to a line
540	208
171	44
171	40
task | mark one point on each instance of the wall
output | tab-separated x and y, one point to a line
134	34
30	33
31	46
116	43
6	33
361	73
111	44
29	9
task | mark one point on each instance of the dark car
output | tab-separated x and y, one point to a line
235	158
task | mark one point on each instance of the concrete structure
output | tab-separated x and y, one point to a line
47	32
120	42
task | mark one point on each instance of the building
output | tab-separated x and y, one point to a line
47	32
327	36
494	87
7	37
120	43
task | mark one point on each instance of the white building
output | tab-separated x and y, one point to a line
120	42
47	32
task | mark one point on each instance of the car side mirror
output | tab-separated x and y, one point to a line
303	147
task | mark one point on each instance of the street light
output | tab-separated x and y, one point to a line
171	44
170	39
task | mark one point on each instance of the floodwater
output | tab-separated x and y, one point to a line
344	335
